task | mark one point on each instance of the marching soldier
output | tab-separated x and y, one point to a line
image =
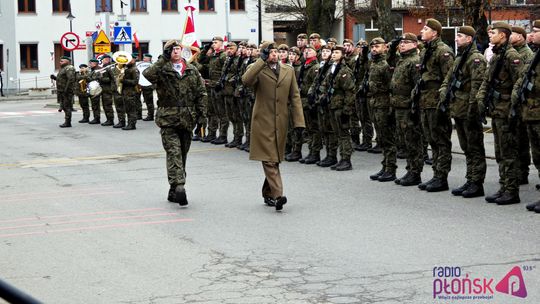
181	98
437	60
458	96
81	79
526	103
147	88
494	100
130	94
108	87
118	72
402	84
65	83
95	100
519	42
378	93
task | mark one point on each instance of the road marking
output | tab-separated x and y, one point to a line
61	195
79	214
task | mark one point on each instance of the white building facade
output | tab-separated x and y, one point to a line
31	30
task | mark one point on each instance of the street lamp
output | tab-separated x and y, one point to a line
70	17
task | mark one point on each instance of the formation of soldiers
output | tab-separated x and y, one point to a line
407	90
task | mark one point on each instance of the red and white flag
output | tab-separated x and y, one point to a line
189	37
136	40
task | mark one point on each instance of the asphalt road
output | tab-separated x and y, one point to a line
84	219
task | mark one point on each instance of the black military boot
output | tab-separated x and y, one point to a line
95	121
401	154
531	206
293	156
280	201
412	180
149	117
364	147
66	124
398	180
474	190
437	185
376	175
85	118
493	197
220	140
328	161
107	123
345	165
170	195
428	161
234	143
524	180
423	186
459	191
120	124
508	198
208	138
180	195
333	167
130	126
139	115
375	150
355	141
270	202
312	159
195	137
387	177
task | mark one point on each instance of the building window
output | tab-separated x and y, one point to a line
206	5
58	53
103	6
29	57
1	57
27	6
238	5
143	49
169	5
138	5
60	6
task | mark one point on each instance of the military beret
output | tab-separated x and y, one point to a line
348	41
282	47
66	58
251	46
171	43
301	36
502	25
326	46
82	65
361	42
520	30
332	39
315	35
217	38
434	25
268	45
242	43
147	55
135	55
295	50
94	60
536	23
339	48
410	37
377	40
231	44
467	30
310	47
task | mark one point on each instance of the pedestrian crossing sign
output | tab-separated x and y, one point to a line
122	35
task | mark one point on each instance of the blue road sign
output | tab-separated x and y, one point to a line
122	35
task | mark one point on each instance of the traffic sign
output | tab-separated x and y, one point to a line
122	35
102	44
69	41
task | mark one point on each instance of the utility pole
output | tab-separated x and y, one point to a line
259	12
227	11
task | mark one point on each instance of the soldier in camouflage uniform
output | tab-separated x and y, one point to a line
181	99
361	66
245	94
402	84
138	103
118	73
130	94
463	81
80	79
499	85
519	42
350	60
295	138
302	43
378	94
230	80
108	87
438	59
95	100
526	97
148	93
65	84
214	59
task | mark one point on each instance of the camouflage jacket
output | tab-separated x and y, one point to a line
80	90
65	80
470	77
309	74
106	79
350	60
231	75
214	65
525	52
404	79
437	67
241	90
131	80
509	74
342	94
380	76
530	110
181	98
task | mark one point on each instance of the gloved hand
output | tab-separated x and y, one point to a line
265	53
206	47
53	77
167	53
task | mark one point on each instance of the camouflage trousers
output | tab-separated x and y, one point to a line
131	102
506	154
84	102
96	108
107	102
66	104
148	95
533	129
176	142
138	104
120	107
313	131
341	125
471	140
385	126
437	128
234	114
217	114
524	150
366	123
355	125
293	138
246	104
410	133
327	132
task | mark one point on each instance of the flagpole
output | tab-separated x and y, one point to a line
185	22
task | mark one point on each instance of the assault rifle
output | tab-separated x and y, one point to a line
527	86
317	89
221	83
492	95
361	95
327	97
417	91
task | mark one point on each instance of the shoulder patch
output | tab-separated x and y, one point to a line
344	76
418	65
477	61
447	54
516	61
